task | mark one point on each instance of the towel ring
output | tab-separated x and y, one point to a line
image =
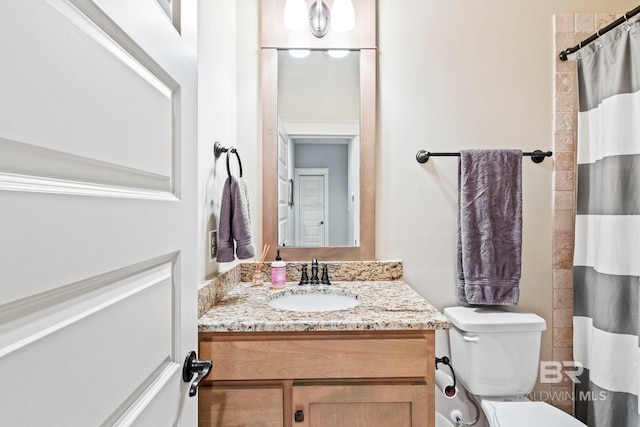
233	150
218	149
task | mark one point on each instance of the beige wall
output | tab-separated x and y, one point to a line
453	74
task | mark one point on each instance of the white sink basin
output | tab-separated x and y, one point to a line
314	301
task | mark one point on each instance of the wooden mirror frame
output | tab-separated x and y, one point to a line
274	36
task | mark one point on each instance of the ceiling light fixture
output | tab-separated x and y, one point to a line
318	18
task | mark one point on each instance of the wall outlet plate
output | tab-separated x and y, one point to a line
213	245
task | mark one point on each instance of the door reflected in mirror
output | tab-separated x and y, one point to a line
318	148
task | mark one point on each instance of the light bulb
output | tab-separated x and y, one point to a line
295	15
343	17
299	53
338	53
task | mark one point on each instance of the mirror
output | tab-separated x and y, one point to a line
318	109
346	127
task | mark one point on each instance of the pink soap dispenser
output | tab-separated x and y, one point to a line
278	272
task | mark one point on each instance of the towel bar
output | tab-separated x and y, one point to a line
537	156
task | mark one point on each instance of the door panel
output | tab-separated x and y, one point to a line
363	405
283	190
241	406
97	179
312	215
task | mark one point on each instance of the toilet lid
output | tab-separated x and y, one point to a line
532	414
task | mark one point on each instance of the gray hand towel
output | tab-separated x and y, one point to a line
235	222
489	226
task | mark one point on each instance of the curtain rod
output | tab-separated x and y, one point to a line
564	54
537	156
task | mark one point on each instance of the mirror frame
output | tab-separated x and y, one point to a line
274	36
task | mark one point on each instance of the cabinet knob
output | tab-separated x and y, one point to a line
298	416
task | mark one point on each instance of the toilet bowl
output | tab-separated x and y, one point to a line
496	354
442	421
526	414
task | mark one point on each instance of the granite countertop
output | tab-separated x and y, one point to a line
384	306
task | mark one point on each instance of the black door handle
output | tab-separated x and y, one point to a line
191	367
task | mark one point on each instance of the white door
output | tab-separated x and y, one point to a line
97	211
283	190
312	206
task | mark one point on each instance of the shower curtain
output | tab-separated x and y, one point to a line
607	243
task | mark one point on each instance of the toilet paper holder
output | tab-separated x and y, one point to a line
449	390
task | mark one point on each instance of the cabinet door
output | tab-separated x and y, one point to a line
369	405
240	407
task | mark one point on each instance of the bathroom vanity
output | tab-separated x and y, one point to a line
372	364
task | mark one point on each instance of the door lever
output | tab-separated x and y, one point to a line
192	366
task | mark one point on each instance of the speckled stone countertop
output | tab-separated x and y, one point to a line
384	306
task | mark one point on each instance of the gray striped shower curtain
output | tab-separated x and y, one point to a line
607	243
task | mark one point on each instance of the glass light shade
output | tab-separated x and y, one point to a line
343	16
299	53
295	15
338	53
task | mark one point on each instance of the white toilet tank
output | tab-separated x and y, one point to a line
495	351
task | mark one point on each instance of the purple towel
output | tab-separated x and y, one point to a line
235	222
489	226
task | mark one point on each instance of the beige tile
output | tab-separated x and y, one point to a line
564	141
566	102
604	19
564	22
563	239
567	380
585	22
562	317
563	278
562	258
564	181
563	299
566	82
583	35
562	41
563	200
563	220
565	66
564	161
562	337
563	354
562	396
565	121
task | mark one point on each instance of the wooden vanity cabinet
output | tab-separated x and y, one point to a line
380	378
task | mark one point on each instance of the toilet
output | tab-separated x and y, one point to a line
495	352
442	421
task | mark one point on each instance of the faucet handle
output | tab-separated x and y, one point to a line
304	279
325	275
325	272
